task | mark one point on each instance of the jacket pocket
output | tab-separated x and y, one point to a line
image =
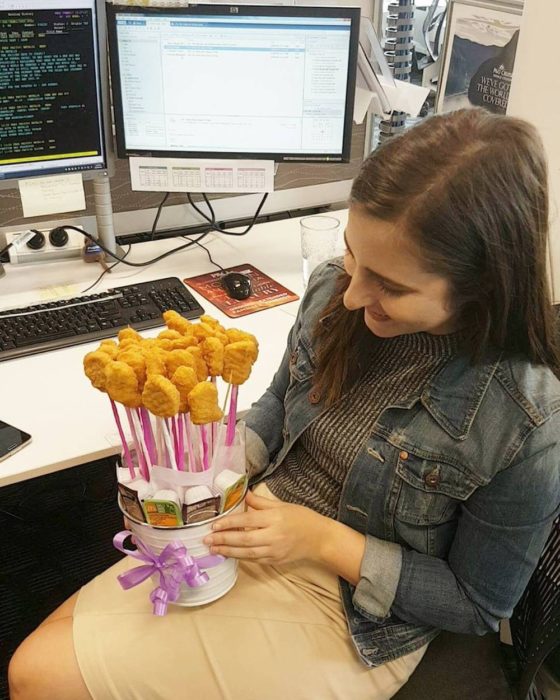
301	361
430	491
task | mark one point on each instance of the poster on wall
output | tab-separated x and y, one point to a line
479	55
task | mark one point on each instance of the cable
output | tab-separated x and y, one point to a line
105	271
209	205
158	214
211	220
131	264
207	253
213	227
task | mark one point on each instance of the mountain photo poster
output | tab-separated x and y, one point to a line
479	56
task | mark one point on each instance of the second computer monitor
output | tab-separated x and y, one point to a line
52	89
234	81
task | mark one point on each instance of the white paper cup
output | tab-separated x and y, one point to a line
221	577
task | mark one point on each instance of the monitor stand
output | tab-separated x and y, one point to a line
104	215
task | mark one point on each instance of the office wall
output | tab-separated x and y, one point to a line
535	96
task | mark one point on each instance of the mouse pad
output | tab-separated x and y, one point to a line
265	294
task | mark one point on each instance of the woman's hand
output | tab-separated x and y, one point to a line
270	532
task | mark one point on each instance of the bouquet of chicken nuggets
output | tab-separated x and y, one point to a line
182	461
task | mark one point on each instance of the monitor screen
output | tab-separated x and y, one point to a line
51	104
234	81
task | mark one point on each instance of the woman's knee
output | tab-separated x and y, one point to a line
21	672
44	666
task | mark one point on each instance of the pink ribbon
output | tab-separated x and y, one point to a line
174	565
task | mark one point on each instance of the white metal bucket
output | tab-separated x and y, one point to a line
221	577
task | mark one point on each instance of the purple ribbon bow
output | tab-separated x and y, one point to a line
174	566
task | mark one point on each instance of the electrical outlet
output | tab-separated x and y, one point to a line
24	254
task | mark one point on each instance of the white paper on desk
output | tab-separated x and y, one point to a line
405	97
52	195
201	175
60	291
402	97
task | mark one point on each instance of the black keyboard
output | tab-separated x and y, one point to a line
67	322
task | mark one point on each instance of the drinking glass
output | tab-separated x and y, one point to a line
320	241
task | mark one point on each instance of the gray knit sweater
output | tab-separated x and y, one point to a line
315	468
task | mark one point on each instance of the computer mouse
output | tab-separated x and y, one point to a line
236	284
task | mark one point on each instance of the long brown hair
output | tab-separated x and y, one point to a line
470	189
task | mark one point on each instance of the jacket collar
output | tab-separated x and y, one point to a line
455	394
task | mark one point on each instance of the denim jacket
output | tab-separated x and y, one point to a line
455	489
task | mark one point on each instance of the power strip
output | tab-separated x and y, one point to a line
23	254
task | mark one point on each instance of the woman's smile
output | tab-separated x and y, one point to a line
376	316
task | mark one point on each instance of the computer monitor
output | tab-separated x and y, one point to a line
52	83
247	81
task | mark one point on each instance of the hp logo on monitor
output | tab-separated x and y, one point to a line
234	10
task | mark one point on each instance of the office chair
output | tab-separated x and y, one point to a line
535	624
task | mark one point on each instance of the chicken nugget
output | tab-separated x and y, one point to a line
219	330
94	368
209	320
185	341
235	335
203	404
164	343
137	361
176	322
155	361
170	334
200	365
160	396
109	347
178	358
185	379
122	384
222	337
202	330
238	361
213	354
129	333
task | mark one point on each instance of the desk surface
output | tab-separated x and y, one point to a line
48	394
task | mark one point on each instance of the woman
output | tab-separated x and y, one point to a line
407	446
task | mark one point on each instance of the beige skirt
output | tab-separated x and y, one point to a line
279	634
